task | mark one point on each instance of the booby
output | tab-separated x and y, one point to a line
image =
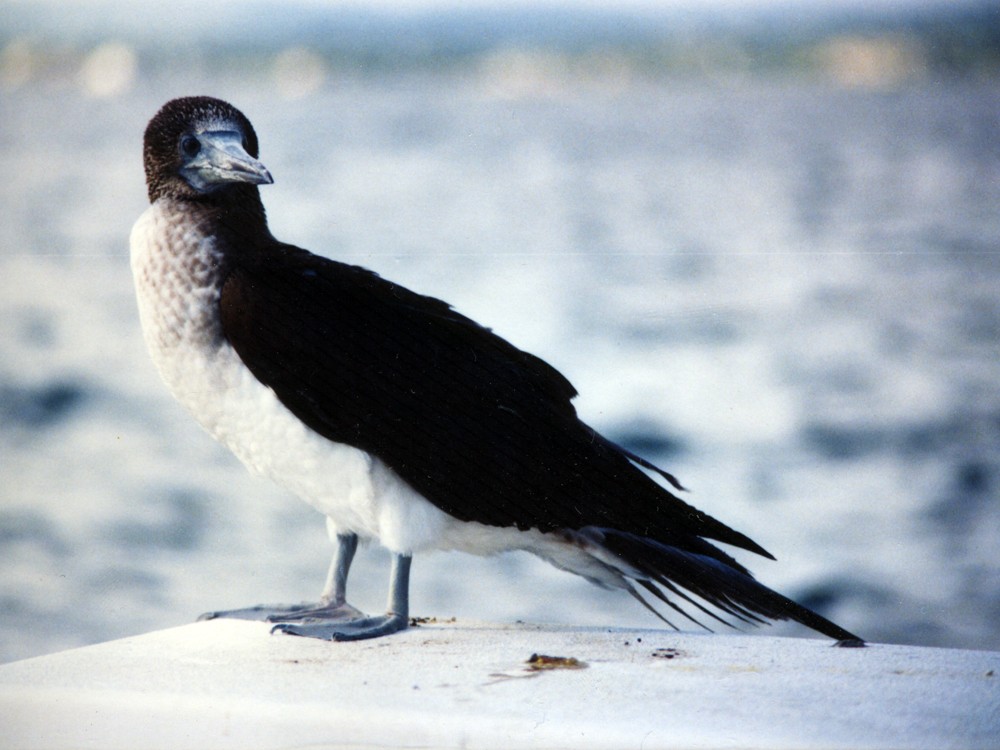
397	417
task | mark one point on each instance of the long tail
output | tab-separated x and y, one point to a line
665	571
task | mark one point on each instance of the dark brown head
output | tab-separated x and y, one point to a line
198	146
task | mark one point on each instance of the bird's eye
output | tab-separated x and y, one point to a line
190	145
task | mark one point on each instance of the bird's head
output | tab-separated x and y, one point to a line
198	146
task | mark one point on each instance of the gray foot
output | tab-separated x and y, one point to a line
352	630
286	612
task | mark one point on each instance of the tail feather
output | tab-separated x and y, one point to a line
682	516
652	589
739	614
730	589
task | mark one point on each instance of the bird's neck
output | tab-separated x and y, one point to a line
238	216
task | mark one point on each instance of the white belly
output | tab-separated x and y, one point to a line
177	290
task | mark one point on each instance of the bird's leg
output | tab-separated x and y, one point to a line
332	604
396	619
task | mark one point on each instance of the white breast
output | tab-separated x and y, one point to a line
175	264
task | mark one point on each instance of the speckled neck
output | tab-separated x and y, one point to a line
179	265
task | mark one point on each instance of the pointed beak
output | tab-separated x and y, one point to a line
221	159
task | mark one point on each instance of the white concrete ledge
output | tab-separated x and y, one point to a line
229	684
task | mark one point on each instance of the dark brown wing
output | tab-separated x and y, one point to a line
483	430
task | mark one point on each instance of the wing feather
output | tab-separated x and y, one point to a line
483	430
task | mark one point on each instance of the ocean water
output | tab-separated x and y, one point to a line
784	291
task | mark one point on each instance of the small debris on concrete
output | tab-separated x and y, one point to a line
416	622
667	653
538	662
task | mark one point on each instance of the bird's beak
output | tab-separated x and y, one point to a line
221	159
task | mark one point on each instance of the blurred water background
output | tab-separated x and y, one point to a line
765	247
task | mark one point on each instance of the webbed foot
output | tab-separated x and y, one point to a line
351	630
259	612
286	612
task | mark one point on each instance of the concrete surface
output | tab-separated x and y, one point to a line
229	684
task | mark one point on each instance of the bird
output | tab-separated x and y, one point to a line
400	419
